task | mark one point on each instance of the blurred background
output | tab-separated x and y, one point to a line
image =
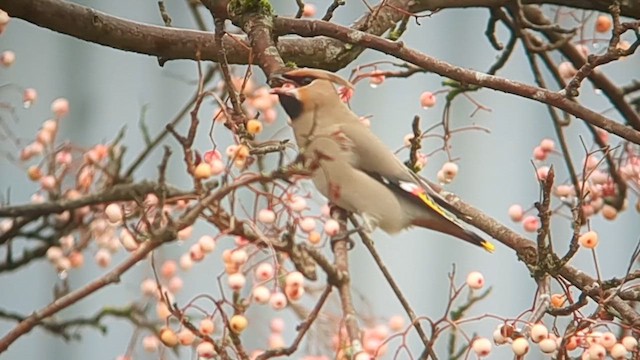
108	90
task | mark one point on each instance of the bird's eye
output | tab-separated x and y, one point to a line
306	80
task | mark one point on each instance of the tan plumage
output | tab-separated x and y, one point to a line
355	169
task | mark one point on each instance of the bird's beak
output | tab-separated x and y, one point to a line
284	86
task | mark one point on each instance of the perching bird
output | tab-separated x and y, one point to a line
353	168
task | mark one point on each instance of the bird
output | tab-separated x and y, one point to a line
353	168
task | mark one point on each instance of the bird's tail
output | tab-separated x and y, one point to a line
454	229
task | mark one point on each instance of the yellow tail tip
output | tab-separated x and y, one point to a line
488	246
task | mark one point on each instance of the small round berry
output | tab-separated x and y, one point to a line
539	332
362	355
278	300
175	284
309	10
168	337
564	190
608	339
589	239
314	238
186	337
254	127
207	244
196	253
597	352
206	326
203	171
516	213
498	338
547	145
168	269
149	287
113	212
530	223
450	170
475	280
539	154
331	227
557	300
239	257
4	18
261	294
60	107
609	212
294	279
266	216
630	343
294	293
54	253
206	350
427	100
236	281
618	352
481	346
264	271
276	341
396	323
603	23
103	258
76	259
7	58
548	345
185	234
186	263
238	323
520	346
150	343
376	79
297	203
542	172
29	96
48	182
566	70
307	224
162	311
441	178
276	325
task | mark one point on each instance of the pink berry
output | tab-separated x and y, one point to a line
266	216
217	167
278	300
206	326
196	253
597	352
294	293
113	212
4	18
309	10
175	284
236	281
276	325
376	79
48	182
307	224
207	244
547	145
103	258
475	280
530	223
538	333
481	346
60	107
450	170
264	271
609	212
206	350
239	257
608	339
261	294
548	345
539	154
294	279
630	343
589	239
427	100
29	96
186	337
618	351
564	190
7	58
520	346
185	262
396	323
185	234
542	172
168	269
298	203
150	343
516	212
331	227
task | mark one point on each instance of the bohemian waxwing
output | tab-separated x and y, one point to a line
353	168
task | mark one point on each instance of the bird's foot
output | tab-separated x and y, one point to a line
344	236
